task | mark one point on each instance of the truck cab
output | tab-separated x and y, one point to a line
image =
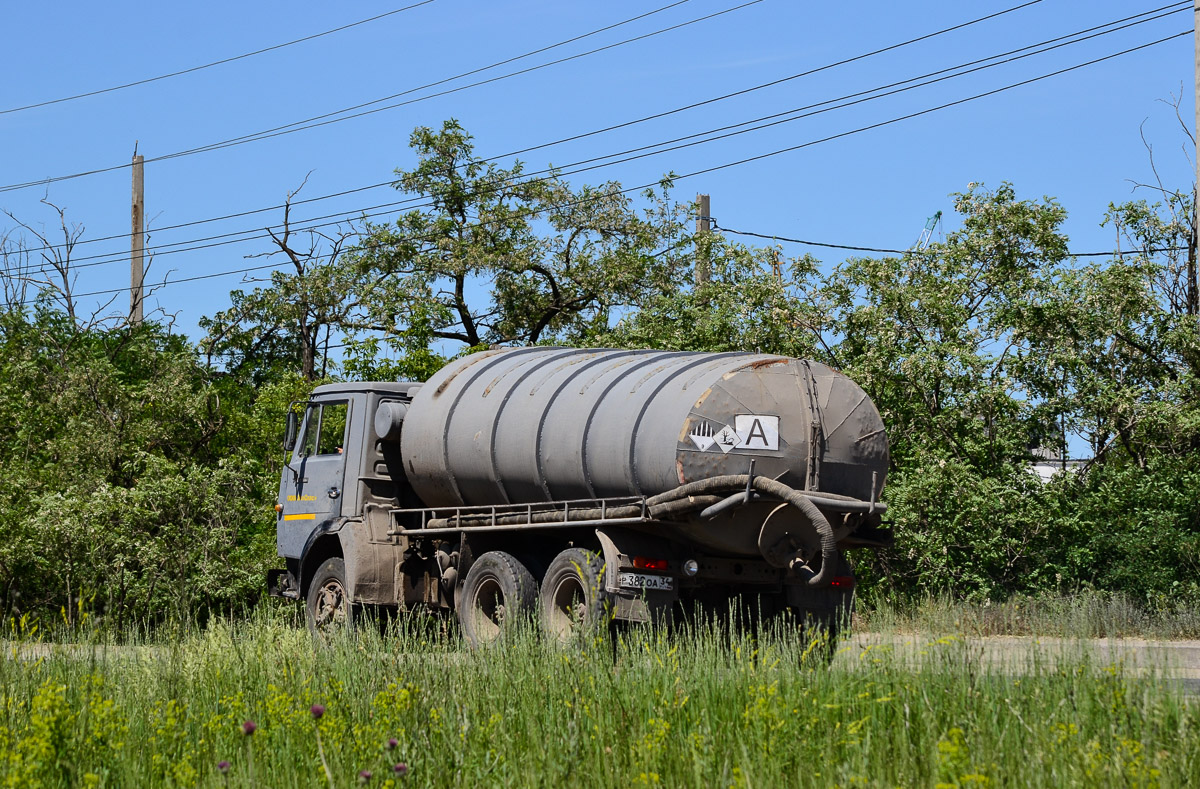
338	471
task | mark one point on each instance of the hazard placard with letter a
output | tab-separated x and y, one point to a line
757	431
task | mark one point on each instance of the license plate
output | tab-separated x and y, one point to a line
639	581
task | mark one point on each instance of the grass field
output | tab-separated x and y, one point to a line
699	709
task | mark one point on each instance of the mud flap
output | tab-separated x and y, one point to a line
619	546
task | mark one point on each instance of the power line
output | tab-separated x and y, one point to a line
151	288
630	122
808	243
782	80
805	242
214	63
310	123
648	150
746	160
938	108
106	258
287	128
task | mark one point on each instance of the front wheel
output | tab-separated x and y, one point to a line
497	593
328	604
573	596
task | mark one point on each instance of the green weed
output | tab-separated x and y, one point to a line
234	705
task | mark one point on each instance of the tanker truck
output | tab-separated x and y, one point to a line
581	487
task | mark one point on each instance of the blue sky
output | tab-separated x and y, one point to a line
1074	137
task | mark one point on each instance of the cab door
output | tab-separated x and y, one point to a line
312	483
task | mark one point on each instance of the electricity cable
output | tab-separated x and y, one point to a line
805	242
345	216
737	163
309	123
277	131
220	62
630	122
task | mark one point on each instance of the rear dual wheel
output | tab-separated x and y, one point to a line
497	594
573	597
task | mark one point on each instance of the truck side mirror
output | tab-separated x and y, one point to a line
293	425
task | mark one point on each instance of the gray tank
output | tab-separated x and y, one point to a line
529	425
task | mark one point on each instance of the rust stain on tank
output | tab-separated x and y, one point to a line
653	372
757	364
587	357
476	359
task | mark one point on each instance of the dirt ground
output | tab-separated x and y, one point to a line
1178	661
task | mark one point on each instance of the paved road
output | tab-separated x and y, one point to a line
1178	661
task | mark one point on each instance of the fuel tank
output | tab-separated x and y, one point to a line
527	425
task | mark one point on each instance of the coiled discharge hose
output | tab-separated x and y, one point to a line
713	486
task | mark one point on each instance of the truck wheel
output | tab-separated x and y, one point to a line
328	605
573	596
497	593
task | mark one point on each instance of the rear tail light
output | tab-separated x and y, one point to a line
643	563
842	582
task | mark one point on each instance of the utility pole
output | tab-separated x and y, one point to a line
704	226
777	266
138	238
1193	288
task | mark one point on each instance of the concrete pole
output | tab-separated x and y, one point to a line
137	242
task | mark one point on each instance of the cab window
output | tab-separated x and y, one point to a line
333	429
324	429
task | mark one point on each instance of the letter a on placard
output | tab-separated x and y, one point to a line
757	431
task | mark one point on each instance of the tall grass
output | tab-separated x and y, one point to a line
1087	614
699	708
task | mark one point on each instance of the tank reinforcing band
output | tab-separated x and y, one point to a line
497	478
621	357
658	356
484	364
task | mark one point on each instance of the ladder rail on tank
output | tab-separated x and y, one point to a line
442	521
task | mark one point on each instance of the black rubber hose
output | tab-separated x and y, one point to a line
829	554
710	486
680	506
731	482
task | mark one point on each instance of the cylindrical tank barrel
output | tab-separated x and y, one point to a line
539	424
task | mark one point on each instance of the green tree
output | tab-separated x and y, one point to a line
287	326
750	300
1121	338
931	336
494	256
113	489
